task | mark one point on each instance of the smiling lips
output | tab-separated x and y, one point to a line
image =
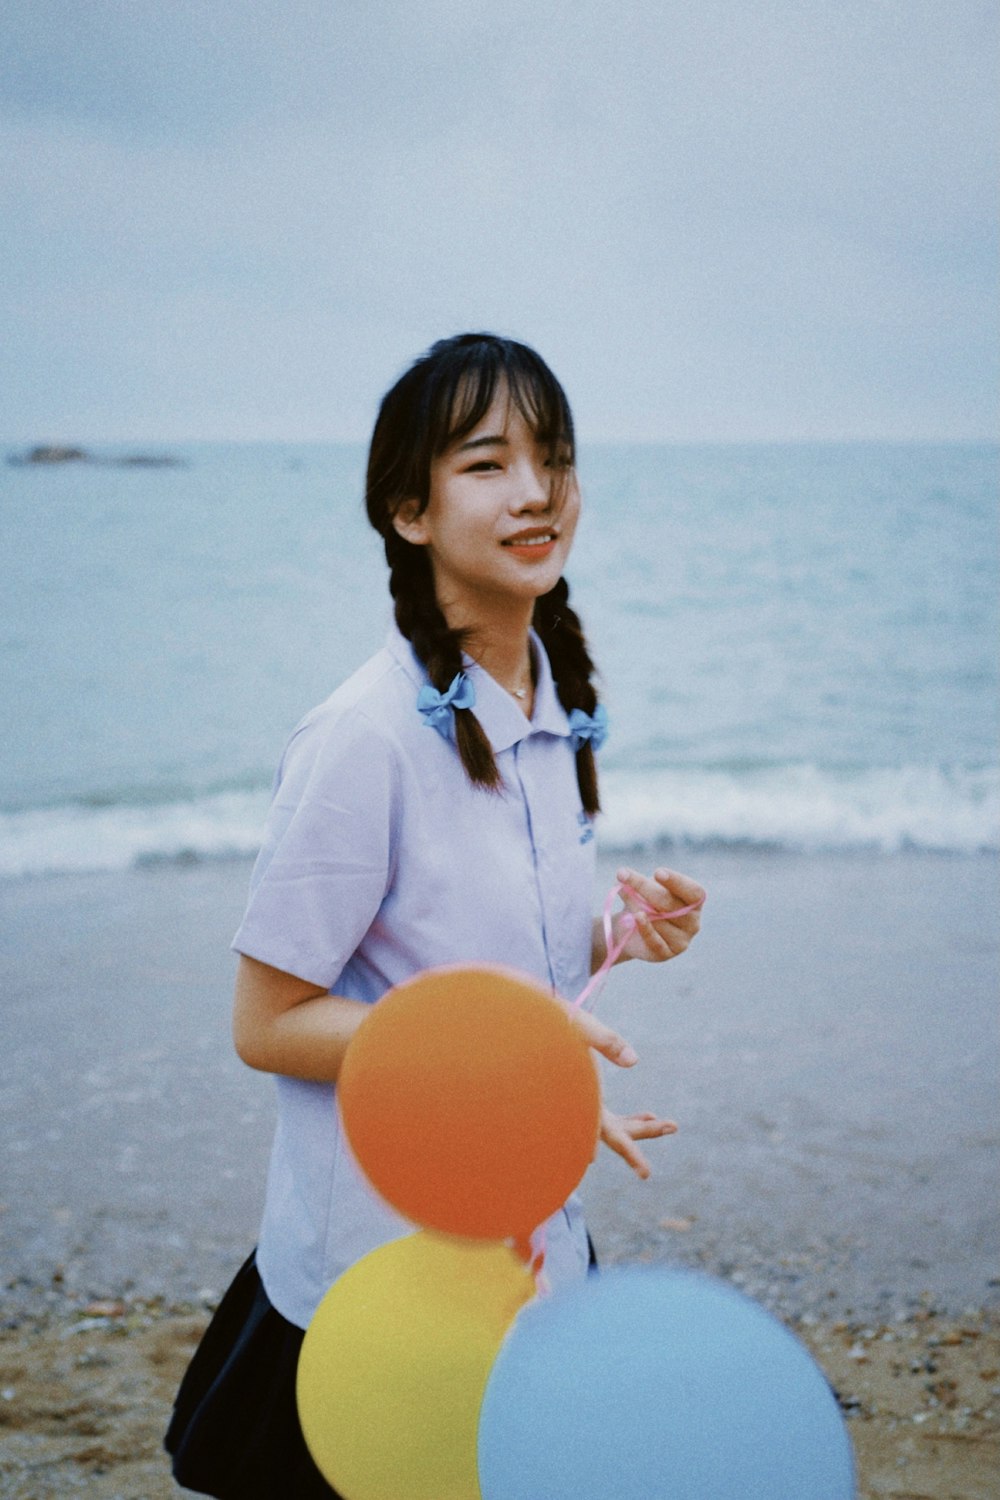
538	542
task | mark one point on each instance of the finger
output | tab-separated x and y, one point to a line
647	1127
662	940
665	891
637	885
678	930
638	919
603	1040
686	891
618	1139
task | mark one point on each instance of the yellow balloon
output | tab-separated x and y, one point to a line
395	1362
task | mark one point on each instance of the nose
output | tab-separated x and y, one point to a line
532	490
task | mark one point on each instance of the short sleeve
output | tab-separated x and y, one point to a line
327	851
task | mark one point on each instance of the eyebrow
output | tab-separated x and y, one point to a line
492	440
483	442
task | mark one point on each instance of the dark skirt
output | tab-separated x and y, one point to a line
235	1430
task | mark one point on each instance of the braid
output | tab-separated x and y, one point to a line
561	633
439	647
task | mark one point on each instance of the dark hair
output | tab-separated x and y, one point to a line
440	398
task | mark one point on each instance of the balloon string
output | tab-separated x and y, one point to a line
539	1244
626	926
534	1250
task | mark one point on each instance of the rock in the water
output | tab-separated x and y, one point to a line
52	453
55	453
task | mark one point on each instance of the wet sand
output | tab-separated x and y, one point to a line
828	1047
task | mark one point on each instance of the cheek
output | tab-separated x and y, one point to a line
570	517
461	544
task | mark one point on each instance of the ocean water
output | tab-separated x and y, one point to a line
798	644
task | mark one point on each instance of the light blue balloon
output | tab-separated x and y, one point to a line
644	1384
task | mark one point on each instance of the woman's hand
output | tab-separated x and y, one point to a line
619	1132
656	939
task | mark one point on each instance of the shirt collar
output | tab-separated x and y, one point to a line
497	711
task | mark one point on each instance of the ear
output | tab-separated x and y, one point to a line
410	522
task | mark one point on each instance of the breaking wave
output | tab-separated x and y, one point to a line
800	808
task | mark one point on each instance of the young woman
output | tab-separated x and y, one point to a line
437	809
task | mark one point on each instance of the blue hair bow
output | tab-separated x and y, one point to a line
592	727
436	708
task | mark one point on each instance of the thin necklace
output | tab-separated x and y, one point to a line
522	692
516	692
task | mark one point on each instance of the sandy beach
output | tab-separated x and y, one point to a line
85	1398
828	1048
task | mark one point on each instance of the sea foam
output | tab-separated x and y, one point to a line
72	839
799	808
806	809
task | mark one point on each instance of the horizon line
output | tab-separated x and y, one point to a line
19	447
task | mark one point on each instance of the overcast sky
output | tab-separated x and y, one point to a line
718	219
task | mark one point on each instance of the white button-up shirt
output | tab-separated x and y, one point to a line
381	859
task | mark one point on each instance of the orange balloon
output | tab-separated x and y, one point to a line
471	1102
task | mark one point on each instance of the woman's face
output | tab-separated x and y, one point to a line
501	516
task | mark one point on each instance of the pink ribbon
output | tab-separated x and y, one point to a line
614	946
626	925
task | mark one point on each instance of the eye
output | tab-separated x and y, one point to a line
482	466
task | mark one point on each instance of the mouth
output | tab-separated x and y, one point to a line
537	540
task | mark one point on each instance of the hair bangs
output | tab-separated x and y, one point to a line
540	399
465	394
487	366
